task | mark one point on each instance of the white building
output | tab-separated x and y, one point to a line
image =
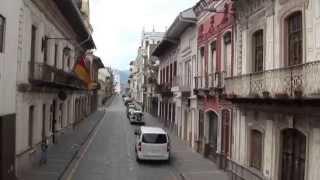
140	65
117	81
9	18
49	97
275	90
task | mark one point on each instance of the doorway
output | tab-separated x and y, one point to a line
201	132
225	151
54	121
213	135
293	154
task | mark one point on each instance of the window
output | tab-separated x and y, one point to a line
212	57
227	51
33	43
2	32
154	138
175	68
256	149
294	28
188	73
31	121
201	61
55	55
257	44
45	49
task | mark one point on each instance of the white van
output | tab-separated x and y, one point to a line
152	144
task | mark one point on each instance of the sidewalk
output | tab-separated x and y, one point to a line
62	153
190	165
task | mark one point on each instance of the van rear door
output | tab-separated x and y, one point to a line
154	144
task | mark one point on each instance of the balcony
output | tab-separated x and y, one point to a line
182	85
295	82
212	84
43	75
164	89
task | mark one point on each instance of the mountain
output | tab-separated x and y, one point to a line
124	75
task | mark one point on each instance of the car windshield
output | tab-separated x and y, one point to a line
154	138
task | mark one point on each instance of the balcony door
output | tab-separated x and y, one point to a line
293	155
33	50
294	28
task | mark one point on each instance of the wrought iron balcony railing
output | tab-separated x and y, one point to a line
41	74
182	83
294	81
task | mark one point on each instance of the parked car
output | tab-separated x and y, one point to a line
130	109
127	100
152	143
136	117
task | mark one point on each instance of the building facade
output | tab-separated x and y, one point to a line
214	63
9	19
275	90
143	69
49	97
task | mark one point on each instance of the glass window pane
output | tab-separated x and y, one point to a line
2	30
154	138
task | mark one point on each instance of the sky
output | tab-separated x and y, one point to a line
118	24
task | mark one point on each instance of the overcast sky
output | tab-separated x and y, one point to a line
118	25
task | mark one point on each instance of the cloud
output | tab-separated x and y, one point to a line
118	25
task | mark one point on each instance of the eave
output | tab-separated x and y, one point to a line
71	12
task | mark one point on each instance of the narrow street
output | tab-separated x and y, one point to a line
110	155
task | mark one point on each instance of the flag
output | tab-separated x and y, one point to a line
82	71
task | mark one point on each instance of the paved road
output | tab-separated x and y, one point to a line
111	154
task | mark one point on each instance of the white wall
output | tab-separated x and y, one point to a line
8	59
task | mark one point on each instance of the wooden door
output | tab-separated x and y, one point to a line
293	155
213	134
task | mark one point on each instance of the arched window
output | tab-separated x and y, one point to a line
257	49
294	38
256	144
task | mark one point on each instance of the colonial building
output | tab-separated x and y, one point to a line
8	68
275	90
214	63
143	66
182	34
105	78
167	52
52	37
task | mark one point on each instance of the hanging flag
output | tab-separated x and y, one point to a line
82	71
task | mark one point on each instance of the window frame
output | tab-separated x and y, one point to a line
2	33
291	37
258	49
253	148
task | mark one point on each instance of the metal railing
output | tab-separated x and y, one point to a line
300	80
182	83
44	74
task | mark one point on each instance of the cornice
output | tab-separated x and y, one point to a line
53	14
